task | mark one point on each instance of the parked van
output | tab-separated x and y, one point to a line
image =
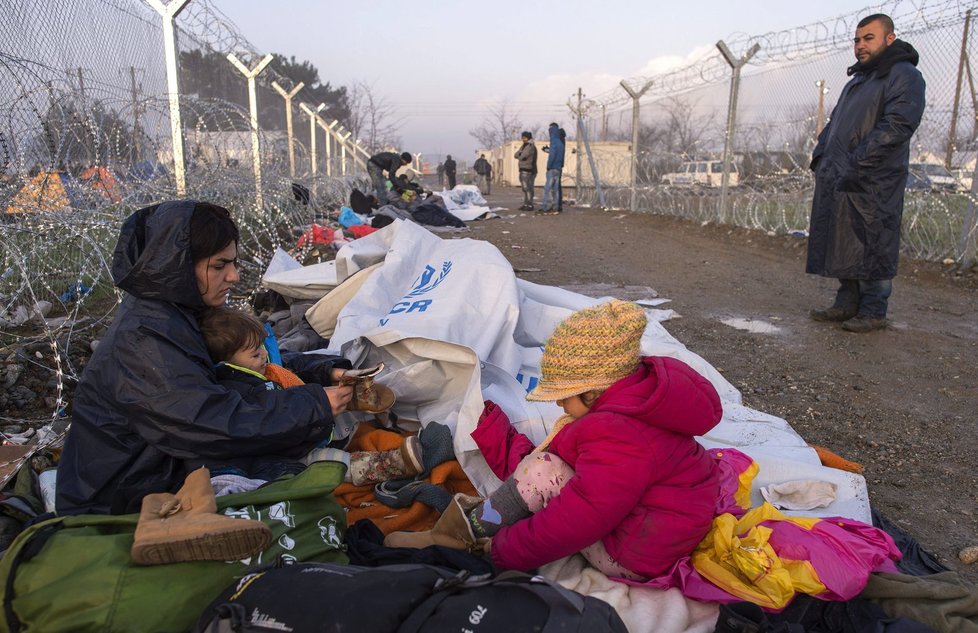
938	175
703	173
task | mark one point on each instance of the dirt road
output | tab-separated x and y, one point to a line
901	402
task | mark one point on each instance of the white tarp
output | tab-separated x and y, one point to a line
466	203
291	279
455	327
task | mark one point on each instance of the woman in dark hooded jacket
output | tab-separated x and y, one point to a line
149	409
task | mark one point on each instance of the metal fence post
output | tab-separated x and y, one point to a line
736	64
170	11
313	115
633	204
962	60
328	130
253	112
288	119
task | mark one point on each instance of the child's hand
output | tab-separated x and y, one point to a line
339	398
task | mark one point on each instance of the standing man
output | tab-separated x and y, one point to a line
860	165
551	203
389	162
440	172
488	178
482	168
450	168
526	157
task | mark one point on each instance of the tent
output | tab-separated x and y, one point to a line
52	191
100	179
44	192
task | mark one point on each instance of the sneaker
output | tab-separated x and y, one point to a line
832	314
863	323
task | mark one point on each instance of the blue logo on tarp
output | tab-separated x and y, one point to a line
426	282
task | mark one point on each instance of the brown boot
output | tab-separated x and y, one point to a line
833	314
373	467
451	530
186	527
371	397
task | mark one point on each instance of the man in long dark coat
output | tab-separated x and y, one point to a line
860	165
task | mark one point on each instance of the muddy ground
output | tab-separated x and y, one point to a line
902	402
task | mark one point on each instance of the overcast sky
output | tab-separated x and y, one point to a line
439	63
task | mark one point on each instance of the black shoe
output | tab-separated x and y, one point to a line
834	314
862	323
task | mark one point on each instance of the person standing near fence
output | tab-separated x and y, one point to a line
551	202
860	164
526	157
481	169
450	170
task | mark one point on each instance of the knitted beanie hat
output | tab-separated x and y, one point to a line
591	349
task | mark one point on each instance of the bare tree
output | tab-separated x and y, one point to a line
499	125
683	128
372	118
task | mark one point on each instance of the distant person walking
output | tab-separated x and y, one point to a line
526	157
389	162
860	165
482	170
551	202
450	168
440	172
488	178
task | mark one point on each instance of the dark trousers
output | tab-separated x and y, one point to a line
868	296
451	179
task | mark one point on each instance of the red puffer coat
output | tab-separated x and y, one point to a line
642	484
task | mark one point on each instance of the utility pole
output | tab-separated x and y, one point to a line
580	135
604	122
633	205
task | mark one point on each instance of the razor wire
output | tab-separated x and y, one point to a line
85	141
683	122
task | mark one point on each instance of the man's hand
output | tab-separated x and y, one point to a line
339	398
336	375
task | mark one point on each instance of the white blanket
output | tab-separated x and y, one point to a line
455	327
642	609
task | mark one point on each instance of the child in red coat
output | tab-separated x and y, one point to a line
620	478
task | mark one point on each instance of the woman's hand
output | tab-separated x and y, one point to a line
339	397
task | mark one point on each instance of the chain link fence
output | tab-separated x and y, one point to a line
784	95
86	138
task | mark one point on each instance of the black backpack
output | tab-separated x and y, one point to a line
410	598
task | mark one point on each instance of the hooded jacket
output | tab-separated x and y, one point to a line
642	485
148	408
860	165
555	154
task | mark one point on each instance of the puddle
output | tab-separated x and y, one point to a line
750	325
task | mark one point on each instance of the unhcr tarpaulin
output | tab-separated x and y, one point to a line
455	327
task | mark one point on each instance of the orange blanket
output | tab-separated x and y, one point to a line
360	502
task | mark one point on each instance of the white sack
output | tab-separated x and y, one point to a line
291	279
455	327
